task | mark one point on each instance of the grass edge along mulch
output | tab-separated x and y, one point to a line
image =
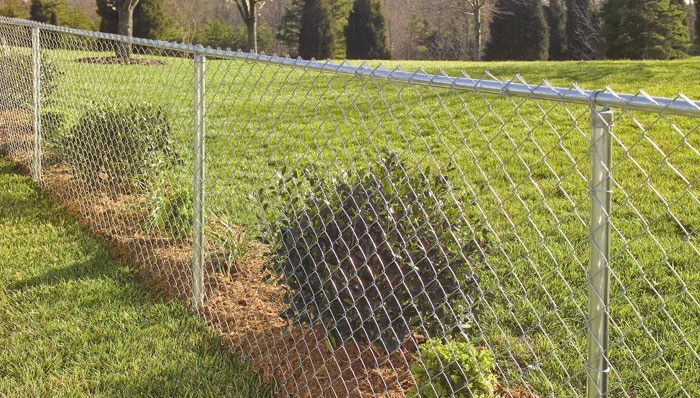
242	309
76	322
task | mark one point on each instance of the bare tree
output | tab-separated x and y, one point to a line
583	29
476	8
249	12
125	10
188	15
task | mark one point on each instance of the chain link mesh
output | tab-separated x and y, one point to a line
368	237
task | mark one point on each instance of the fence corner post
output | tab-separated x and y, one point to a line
597	366
36	95
199	166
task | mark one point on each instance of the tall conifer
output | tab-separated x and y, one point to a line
290	25
315	30
582	29
518	31
645	29
365	34
556	19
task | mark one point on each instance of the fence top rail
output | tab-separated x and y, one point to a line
680	105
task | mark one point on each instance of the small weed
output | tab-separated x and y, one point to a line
231	245
453	369
170	210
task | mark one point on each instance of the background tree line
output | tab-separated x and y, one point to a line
402	29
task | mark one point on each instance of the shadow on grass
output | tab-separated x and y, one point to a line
116	337
95	268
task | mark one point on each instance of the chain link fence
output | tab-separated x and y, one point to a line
357	231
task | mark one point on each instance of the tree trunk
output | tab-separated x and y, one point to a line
477	33
126	26
252	25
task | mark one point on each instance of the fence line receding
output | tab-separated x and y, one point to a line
358	231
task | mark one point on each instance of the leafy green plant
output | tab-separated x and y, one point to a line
53	122
119	145
54	128
231	244
17	91
376	253
171	210
453	369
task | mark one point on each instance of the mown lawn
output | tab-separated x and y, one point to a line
74	322
522	164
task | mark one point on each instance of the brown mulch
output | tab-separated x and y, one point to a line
17	138
516	393
121	61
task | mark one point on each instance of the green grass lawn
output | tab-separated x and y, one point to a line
523	164
74	322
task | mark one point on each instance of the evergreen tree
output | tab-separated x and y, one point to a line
582	29
556	19
340	11
216	34
315	32
289	28
57	12
150	20
645	29
290	25
365	35
518	31
676	19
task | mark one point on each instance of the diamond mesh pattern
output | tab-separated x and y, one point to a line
366	235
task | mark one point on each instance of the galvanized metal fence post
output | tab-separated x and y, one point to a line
36	90
597	366
198	203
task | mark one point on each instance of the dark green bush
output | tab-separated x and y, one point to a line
124	144
453	369
17	80
376	253
53	123
54	128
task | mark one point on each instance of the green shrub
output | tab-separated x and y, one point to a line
17	90
122	145
453	369
218	33
376	253
53	123
171	210
54	128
